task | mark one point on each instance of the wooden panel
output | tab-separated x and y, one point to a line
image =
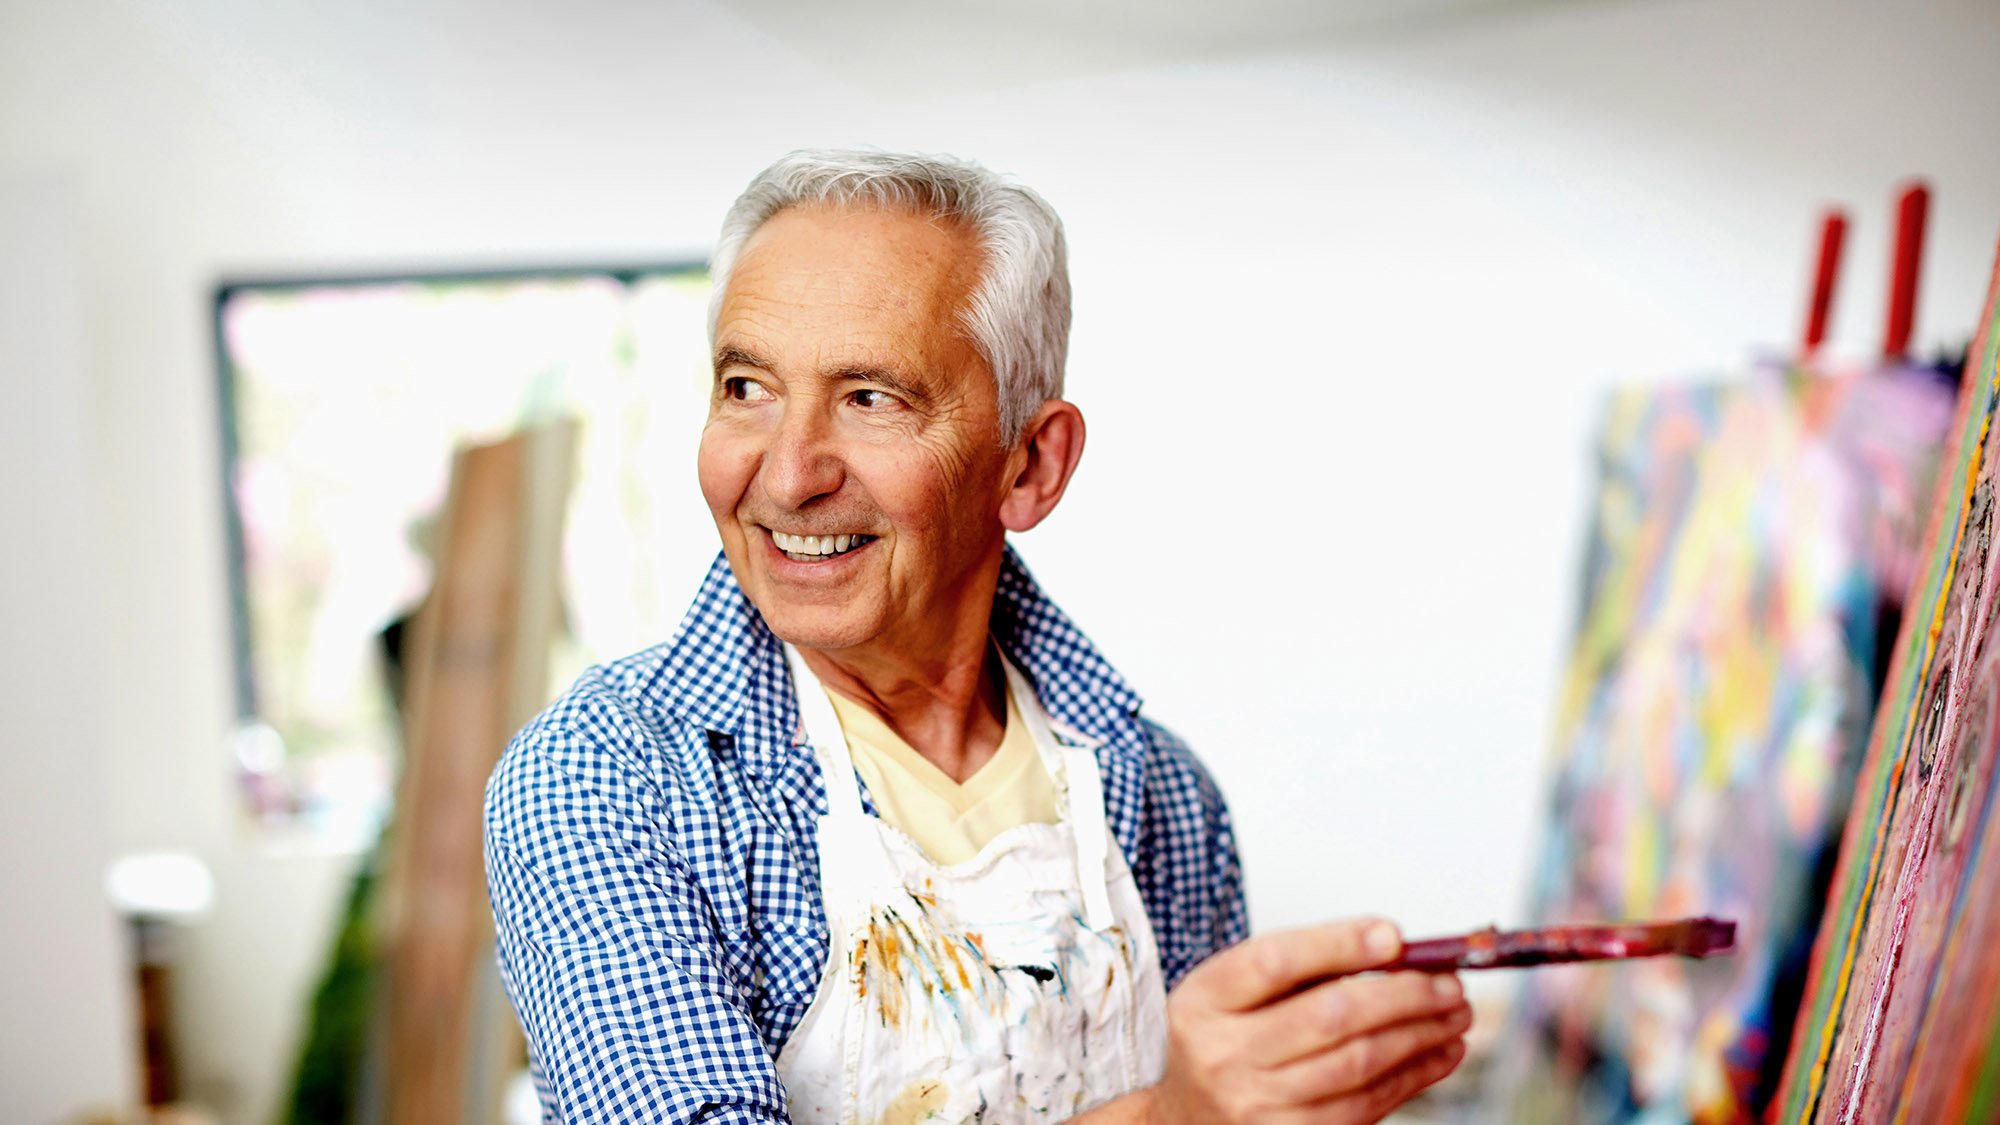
478	669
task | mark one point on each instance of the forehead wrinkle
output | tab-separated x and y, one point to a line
804	301
902	356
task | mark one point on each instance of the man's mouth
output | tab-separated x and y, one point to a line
812	548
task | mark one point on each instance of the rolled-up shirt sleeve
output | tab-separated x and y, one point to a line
606	945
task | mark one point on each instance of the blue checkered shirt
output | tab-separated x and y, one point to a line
651	856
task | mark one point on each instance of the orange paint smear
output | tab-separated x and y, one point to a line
911	955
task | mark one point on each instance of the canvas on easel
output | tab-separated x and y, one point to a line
1753	539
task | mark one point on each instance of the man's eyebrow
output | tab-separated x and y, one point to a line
901	384
726	358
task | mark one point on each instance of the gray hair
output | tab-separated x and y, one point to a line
1018	318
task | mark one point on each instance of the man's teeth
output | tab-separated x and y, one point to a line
814	546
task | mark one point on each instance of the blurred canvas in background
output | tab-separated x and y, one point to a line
1751	543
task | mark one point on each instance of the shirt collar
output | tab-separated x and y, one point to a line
1073	680
720	652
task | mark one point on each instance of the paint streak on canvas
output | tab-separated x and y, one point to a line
1901	1017
1748	535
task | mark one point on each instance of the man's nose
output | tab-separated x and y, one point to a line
802	463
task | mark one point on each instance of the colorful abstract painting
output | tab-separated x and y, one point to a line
1749	538
1901	1018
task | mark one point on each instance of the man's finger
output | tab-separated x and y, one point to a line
1258	971
1325	1015
1361	1062
1407	1081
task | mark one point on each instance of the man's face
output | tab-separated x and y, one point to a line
852	457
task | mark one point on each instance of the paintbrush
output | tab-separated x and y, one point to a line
1510	949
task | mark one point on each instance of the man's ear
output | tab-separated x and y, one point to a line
1050	446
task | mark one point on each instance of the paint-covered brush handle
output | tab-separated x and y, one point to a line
1509	949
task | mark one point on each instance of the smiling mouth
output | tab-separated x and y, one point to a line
813	548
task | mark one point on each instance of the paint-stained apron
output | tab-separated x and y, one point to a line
1021	985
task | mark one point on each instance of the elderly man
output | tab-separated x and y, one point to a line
878	836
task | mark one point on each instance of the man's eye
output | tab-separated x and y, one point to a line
744	390
870	399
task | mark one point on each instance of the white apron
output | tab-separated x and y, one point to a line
1021	985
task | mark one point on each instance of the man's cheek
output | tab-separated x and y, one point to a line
723	476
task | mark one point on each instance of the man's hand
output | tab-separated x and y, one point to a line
1279	1029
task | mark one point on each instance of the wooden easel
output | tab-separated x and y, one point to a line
478	670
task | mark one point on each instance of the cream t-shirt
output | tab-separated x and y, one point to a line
949	821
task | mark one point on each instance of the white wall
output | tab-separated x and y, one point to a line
1341	315
67	1039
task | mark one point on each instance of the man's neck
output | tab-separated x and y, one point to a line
950	707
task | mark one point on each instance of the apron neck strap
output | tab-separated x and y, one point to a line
829	743
1084	793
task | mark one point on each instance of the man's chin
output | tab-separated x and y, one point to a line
814	615
815	628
